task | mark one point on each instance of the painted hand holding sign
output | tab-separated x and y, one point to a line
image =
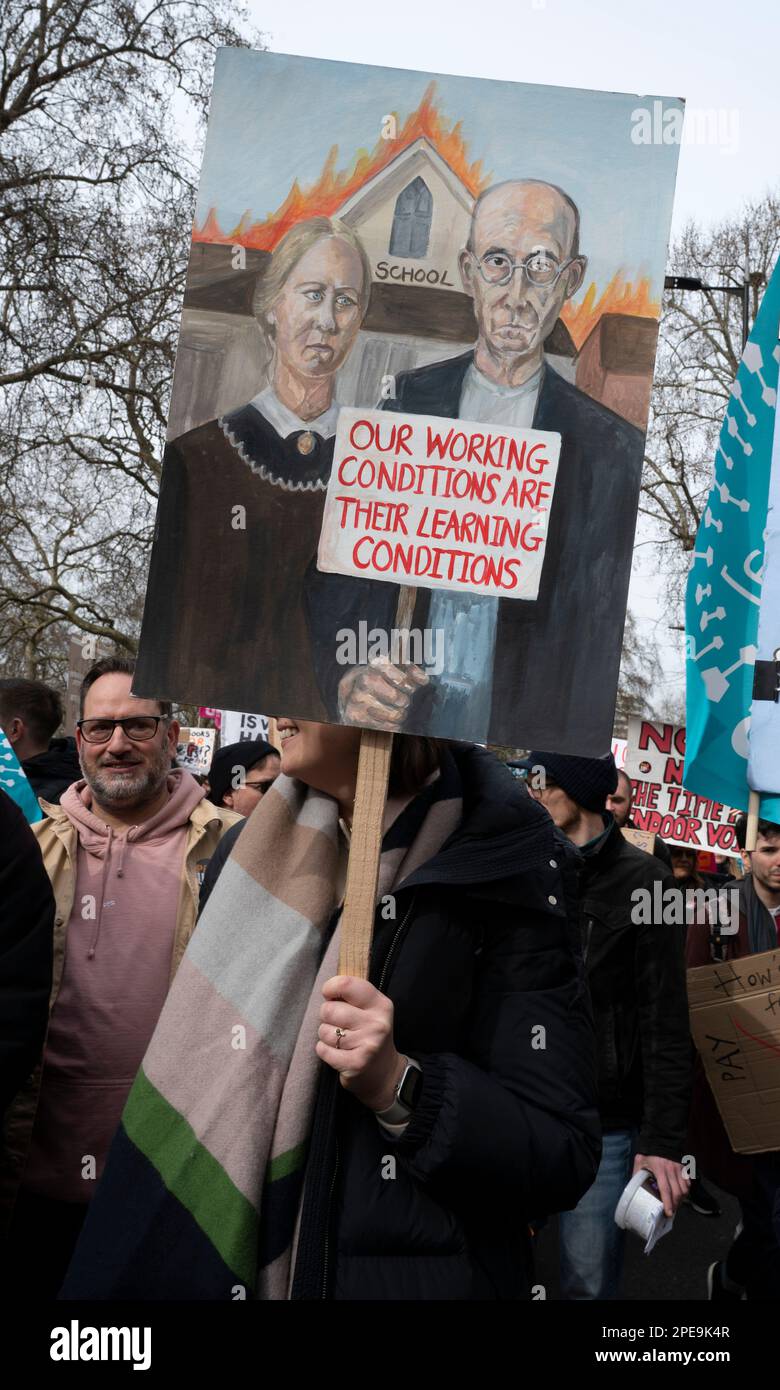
654	762
444	284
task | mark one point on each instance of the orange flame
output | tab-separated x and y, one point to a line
334	187
620	297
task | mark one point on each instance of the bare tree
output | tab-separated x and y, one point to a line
640	671
96	201
700	346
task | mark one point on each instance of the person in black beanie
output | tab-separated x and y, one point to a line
241	772
239	775
635	971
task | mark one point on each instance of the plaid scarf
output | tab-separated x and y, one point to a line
203	1182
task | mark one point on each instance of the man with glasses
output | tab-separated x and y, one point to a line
241	772
557	656
122	852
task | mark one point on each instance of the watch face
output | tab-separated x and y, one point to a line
409	1090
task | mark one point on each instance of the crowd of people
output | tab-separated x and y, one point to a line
520	1049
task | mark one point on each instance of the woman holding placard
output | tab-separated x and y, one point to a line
299	1134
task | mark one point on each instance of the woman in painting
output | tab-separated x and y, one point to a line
242	496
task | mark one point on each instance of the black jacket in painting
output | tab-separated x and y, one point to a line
557	657
483	950
636	975
26	944
52	772
237	530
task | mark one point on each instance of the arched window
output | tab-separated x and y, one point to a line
412	221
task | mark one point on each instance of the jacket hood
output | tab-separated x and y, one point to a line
59	760
503	834
96	837
58	767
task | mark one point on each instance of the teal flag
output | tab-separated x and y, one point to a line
723	597
14	782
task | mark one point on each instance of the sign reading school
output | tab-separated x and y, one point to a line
437	503
654	762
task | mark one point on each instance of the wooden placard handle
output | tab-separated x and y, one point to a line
751	835
376	746
357	921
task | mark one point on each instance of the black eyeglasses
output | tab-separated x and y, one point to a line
138	727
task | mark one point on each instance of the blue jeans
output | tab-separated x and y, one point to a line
591	1244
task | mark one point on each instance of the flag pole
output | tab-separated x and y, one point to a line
754	803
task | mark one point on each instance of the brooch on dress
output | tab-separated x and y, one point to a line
304	444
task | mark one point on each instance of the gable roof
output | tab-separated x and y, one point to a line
418	157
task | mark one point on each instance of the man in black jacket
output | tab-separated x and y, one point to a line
635	970
620	803
30	712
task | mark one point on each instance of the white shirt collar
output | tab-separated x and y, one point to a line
285	421
483	383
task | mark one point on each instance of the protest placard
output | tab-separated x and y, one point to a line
238	727
431	277
735	1022
415	500
619	748
520	568
642	839
661	804
195	749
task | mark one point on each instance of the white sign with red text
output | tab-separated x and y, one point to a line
440	504
654	762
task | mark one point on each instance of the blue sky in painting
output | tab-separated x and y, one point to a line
274	118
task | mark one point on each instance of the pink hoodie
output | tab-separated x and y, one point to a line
118	953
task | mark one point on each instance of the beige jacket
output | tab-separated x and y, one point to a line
58	839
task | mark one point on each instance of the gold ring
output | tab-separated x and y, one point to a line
340	1033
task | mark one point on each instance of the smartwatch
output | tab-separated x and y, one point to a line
407	1093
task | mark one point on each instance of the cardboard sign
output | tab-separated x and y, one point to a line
416	500
195	749
735	1022
488	252
654	762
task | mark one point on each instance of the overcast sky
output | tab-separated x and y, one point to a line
723	58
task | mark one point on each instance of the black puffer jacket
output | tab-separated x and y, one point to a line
50	773
26	936
636	975
481	956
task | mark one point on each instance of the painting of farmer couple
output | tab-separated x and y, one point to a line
458	248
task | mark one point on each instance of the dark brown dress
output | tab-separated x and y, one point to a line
238	524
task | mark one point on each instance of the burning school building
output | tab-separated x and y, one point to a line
410	201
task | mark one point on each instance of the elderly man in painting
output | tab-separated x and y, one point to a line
242	496
528	668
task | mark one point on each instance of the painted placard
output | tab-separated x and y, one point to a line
486	255
661	804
